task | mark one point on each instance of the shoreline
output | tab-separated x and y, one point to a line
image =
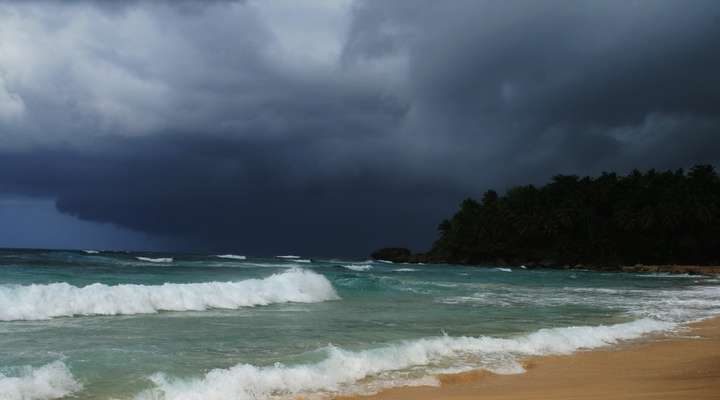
672	366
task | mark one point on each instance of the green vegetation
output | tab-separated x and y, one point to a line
648	218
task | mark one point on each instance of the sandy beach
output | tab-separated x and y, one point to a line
681	366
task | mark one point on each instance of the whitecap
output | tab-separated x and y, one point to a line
51	381
156	260
503	269
341	370
37	302
231	256
358	268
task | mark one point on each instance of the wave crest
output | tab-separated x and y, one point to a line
341	369
34	302
51	381
156	260
231	257
358	268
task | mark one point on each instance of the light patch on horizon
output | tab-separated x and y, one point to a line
36	223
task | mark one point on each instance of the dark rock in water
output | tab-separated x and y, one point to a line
394	254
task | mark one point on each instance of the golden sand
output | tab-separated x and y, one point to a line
684	366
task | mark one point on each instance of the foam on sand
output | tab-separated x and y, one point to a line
156	260
231	257
51	381
340	370
36	302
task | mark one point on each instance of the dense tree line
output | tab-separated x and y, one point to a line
642	218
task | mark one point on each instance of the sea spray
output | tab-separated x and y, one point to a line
342	368
51	381
36	302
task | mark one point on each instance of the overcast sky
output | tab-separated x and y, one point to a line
331	127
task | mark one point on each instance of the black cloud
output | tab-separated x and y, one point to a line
253	155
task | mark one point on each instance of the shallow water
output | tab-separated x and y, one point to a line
178	326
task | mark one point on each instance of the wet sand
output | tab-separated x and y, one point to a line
685	365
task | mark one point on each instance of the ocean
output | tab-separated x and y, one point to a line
114	325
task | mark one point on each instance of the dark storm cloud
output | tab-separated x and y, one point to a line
217	130
542	87
233	194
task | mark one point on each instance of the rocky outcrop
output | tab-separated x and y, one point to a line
394	254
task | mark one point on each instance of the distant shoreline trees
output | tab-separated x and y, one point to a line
659	218
670	217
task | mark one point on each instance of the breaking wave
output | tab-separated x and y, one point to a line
341	370
156	260
51	381
231	256
359	268
671	305
36	302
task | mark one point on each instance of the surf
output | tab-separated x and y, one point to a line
231	257
341	369
39	302
50	381
155	260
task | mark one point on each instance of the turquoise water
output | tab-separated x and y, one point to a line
178	326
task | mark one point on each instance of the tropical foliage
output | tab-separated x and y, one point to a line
649	218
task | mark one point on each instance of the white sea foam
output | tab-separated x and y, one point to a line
406	269
231	256
51	381
674	305
341	369
359	268
385	261
669	275
301	260
35	302
156	260
284	264
90	251
288	257
503	269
